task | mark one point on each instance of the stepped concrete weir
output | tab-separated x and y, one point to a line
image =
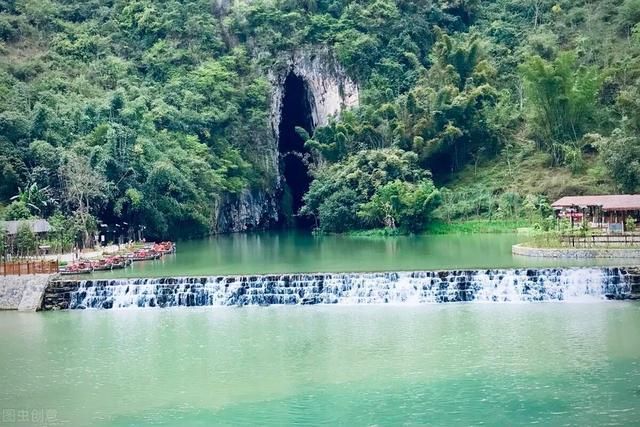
417	287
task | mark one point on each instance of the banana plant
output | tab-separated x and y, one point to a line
34	197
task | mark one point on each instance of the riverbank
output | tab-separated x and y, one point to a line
528	250
476	226
72	256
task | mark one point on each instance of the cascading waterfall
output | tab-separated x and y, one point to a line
524	285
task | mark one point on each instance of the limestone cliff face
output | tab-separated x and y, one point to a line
329	91
329	88
251	210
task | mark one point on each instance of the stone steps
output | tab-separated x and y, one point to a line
632	278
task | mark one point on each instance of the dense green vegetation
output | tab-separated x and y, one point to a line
149	113
131	112
372	189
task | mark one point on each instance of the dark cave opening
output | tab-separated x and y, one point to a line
294	157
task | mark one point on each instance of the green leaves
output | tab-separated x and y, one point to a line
34	198
25	240
621	155
3	242
355	193
166	103
562	100
401	204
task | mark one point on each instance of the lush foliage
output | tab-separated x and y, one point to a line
562	102
401	204
372	188
133	112
533	88
25	241
3	242
152	113
476	226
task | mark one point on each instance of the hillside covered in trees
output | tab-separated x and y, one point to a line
152	113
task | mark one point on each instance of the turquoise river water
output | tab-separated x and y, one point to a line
298	251
452	364
575	362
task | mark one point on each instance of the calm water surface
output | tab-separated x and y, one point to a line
297	251
501	364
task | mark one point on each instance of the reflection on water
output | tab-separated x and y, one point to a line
299	251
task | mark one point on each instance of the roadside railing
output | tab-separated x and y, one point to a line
602	240
20	268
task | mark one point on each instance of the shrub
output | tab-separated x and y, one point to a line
401	204
630	224
338	212
17	210
357	192
3	242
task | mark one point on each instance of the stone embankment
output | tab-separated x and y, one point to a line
523	250
23	293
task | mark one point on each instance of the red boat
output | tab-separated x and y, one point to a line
119	262
102	265
165	247
145	255
76	268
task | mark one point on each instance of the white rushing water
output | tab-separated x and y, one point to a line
525	285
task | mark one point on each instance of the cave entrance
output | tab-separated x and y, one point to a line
294	157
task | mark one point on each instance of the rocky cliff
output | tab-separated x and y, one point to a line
329	91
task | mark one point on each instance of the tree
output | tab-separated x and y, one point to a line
161	108
629	15
562	102
630	224
621	155
509	204
34	198
3	242
337	213
84	188
536	207
8	178
447	113
17	210
372	188
67	231
401	204
25	240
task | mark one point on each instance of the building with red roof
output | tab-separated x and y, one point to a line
609	211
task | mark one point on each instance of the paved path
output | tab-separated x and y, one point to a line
86	254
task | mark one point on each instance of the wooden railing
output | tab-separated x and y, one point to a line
20	268
602	240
